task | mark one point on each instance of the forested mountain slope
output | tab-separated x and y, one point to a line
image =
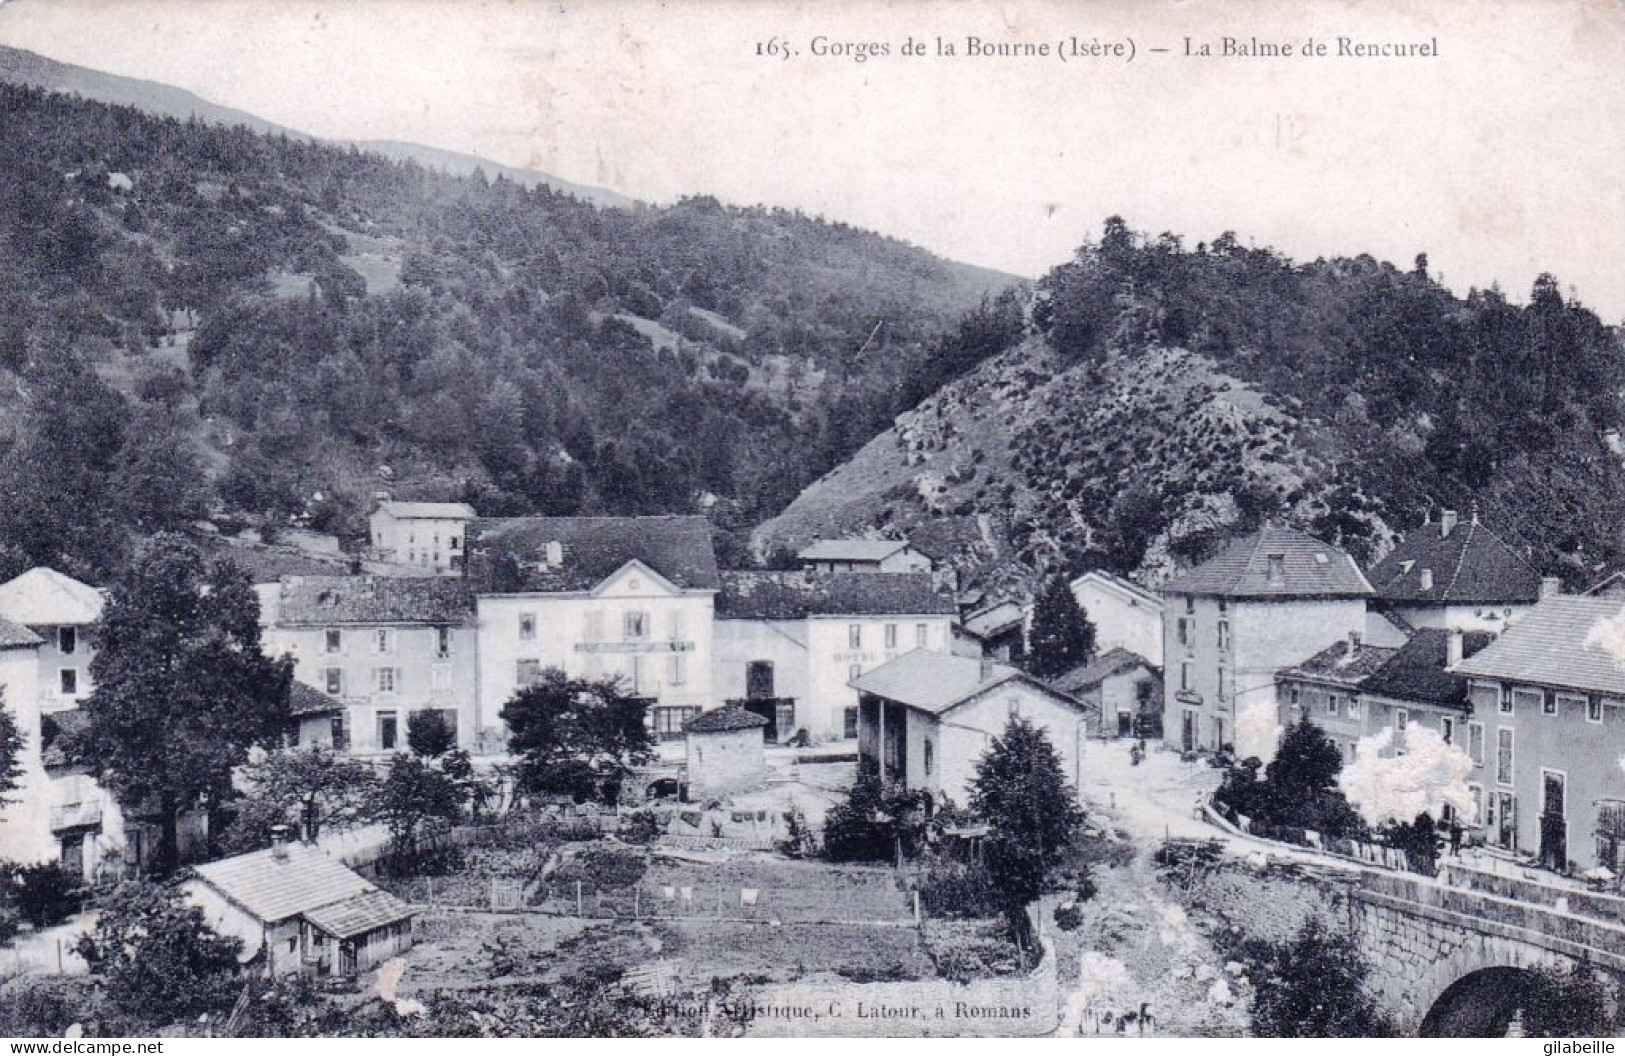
202	318
1171	398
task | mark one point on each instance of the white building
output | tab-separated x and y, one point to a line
61	610
597	597
424	535
1125	614
788	644
863	555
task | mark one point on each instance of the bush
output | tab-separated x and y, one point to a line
605	866
46	894
959	893
963	951
642	827
1069	916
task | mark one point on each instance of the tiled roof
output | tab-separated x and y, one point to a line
996	619
592	549
724	720
1471	564
278	883
308	700
1333	664
45	597
937	682
1570	641
1417	671
439	511
16	636
852	549
268	564
359	914
1309	569
796	595
1087	676
322	601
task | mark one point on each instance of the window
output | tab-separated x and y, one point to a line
1593	709
1276	574
1447	729
849	726
1190	605
335	640
1511	698
1548	703
67	640
1402	719
442	642
69	681
929	752
891	636
385	641
453	543
1295	693
854	635
634	626
1331	703
335	681
1571	700
1184	631
527	626
669	721
340	733
1503	755
1185	675
388	730
1224	634
853	672
388	679
1475	743
677	669
921	633
1354	707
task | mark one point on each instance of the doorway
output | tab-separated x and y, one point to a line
1125	724
759	679
1187	731
1506	821
1554	821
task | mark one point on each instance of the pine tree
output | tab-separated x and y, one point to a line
1062	636
11	750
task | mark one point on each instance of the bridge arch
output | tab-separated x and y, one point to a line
1478	987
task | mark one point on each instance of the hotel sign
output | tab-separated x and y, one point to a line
634	647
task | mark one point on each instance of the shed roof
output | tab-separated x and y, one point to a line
852	549
724	720
359	914
1113	661
995	619
45	597
591	550
16	636
1309	568
1569	641
1335	664
1417	670
323	601
278	883
436	511
796	595
308	700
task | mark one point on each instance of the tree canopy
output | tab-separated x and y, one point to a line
1062	636
576	736
11	750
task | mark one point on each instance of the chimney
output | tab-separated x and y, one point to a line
1426	582
1447	523
1353	644
555	554
1452	647
1550	587
279	842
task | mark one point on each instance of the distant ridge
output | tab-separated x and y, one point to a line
25	67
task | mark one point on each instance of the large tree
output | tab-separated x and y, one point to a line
11	752
576	736
182	688
1032	814
1062	636
1300	783
314	788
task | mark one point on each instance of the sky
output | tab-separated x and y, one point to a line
1500	158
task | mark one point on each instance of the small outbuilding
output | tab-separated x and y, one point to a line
300	911
725	751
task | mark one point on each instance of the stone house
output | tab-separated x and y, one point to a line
926	719
597	597
1549	694
1125	614
788	644
1262	604
383	646
1123	687
1450	574
863	555
725	752
299	911
431	536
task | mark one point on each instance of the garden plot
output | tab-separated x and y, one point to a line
764	952
784	890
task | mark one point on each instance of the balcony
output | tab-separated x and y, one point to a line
71	816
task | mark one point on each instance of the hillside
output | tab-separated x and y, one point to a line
271	330
1170	399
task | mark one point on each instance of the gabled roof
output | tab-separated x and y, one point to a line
1470	564
591	549
308	700
1569	641
1417	670
278	883
1309	569
797	595
852	549
937	682
1117	585
325	601
16	636
437	511
45	597
1334	664
1113	661
728	719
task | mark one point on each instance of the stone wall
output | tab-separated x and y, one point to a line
1264	900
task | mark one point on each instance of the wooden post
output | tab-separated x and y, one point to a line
637	903
579	912
916	907
58	956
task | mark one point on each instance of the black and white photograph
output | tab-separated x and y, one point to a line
978	519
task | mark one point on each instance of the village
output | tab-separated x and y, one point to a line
800	828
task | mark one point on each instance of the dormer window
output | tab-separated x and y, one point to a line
1276	574
67	640
554	552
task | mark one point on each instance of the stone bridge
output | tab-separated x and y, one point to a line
1448	960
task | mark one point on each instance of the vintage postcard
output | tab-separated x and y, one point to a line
774	519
